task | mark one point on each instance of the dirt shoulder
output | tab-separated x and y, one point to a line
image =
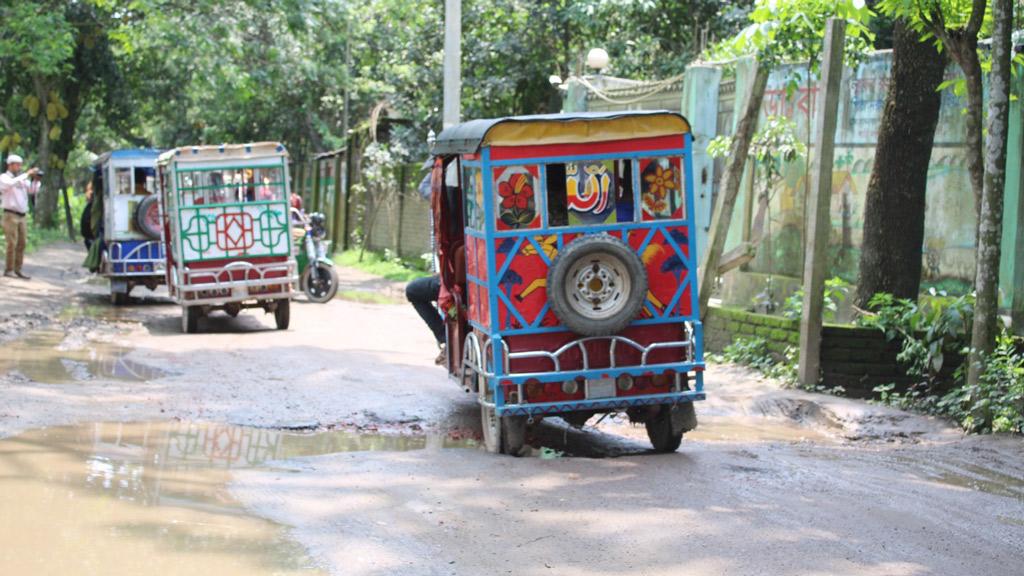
56	276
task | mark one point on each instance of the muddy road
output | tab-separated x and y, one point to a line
337	447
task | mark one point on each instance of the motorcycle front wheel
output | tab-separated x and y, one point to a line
320	283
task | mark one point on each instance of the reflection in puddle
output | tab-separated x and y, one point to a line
97	312
46	356
969	476
151	498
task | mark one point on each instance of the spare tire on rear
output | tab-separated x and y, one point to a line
147	216
597	285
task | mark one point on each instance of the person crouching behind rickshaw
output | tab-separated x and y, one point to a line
14	192
425	296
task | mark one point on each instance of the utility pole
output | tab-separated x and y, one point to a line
452	62
819	222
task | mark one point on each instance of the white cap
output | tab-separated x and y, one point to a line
15	159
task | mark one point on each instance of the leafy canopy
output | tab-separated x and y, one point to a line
782	31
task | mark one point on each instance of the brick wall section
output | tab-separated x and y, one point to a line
723	325
858	359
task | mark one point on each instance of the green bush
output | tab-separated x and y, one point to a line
929	332
836	291
996	403
753	352
933	331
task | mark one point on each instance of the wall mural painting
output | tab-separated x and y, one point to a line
590	192
516	188
661	186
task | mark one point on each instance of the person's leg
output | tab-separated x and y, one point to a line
11	239
422	293
19	252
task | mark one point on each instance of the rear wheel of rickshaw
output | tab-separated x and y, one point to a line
660	430
504	434
490	425
513	435
190	319
282	313
118	298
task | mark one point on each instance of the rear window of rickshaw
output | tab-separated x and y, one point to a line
661	189
134	181
590	193
231	186
473	198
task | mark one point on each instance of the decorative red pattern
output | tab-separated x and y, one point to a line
234	231
612	147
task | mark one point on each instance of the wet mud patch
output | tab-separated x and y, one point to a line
52	356
152	498
957	473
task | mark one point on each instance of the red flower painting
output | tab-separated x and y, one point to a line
518	207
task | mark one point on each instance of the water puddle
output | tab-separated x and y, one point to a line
714	428
53	357
104	312
151	498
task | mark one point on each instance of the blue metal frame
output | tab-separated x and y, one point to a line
494	294
145	254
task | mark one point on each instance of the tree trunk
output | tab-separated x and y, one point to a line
731	185
46	200
990	225
890	259
962	45
973	123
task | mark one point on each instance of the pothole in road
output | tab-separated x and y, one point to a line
753	429
54	357
152	498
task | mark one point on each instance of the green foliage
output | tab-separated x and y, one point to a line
929	333
783	31
996	403
37	38
774	145
836	292
925	15
384	264
753	352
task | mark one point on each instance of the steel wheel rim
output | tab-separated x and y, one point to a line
318	282
598	287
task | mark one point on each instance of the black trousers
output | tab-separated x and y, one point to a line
422	293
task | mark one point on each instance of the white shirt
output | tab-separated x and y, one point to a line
14	191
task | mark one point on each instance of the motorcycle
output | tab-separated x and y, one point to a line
317	276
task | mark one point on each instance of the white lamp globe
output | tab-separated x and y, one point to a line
597	59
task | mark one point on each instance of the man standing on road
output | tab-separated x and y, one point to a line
14	192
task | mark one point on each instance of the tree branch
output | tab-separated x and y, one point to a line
977	16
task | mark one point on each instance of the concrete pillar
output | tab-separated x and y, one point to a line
700	106
1011	265
819	223
452	62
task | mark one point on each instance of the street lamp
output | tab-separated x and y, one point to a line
597	59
